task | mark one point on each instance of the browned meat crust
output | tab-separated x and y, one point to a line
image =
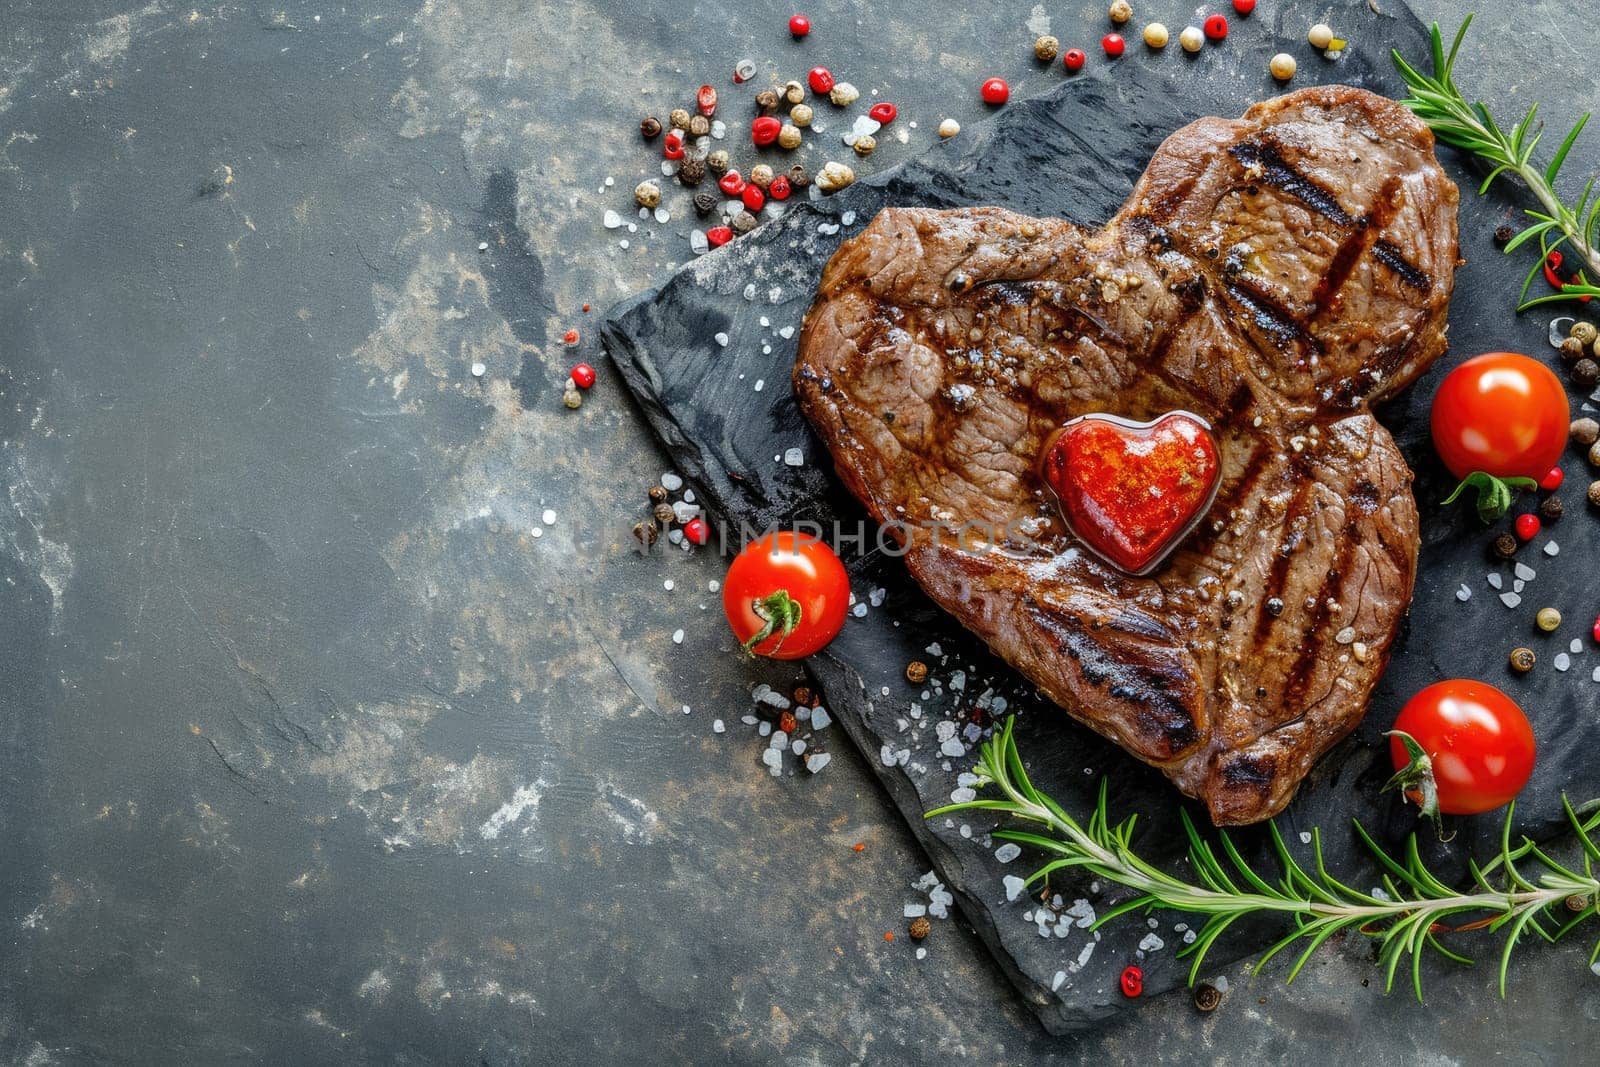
1276	274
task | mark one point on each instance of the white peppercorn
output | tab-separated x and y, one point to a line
1156	36
1046	48
843	94
801	115
648	194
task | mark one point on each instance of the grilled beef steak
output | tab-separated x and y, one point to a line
1275	275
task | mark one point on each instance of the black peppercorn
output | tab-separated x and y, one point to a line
1206	997
1505	546
1503	235
1585	372
798	178
645	533
658	494
1552	508
664	514
802	696
1522	660
649	127
690	171
767	101
1571	350
1274	607
705	203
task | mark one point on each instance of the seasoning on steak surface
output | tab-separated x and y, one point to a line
1276	275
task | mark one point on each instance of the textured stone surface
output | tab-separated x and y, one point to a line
309	749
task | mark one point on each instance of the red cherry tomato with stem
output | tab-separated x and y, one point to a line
1502	413
786	595
1477	741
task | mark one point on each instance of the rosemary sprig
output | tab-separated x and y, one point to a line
1439	102
1414	909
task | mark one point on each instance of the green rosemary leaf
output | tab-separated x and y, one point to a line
1560	157
1515	934
1243	867
1579	829
1122	909
1438	946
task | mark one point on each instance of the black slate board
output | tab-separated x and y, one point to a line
1076	153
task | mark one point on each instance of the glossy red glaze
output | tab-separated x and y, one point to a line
1132	491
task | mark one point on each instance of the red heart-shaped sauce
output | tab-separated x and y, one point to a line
1131	491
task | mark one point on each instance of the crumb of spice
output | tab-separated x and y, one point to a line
1552	508
1522	660
888	935
1505	546
1046	48
570	337
802	696
859	846
1503	235
920	928
691	171
786	722
704	203
916	672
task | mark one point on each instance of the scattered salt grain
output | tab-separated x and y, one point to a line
1014	886
717	726
780	740
1510	600
713	585
622	243
663	216
720	338
820	719
749	720
1151	943
677	637
1596	675
962	795
772	757
798	747
794	457
816	761
719	129
549	517
1463	594
483	246
479	370
698	242
1008	852
1305	837
859	611
667	585
1496	582
763	729
1525	572
671	482
953	748
612	220
922	953
1562	661
1576	646
966	831
1552	549
1517	584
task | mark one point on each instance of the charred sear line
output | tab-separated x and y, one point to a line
1271	318
1276	172
1391	257
1248	771
1149	688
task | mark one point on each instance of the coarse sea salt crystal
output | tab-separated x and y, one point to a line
698	242
786	333
677	637
1008	852
859	611
1510	600
763	729
953	748
798	747
612	220
1305	837
1596	675
922	953
962	795
820	719
1552	549
1576	646
671	482
1525	572
794	457
717	726
760	384
1517	584
663	216
667	585
1055	983
1013	886
1496	582
1562	661
914	911
1151	943
816	761
549	516
720	338
1463	594
750	291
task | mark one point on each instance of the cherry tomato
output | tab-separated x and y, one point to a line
1479	740
786	595
1501	413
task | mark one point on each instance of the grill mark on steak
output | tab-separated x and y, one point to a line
1391	257
1276	172
1173	667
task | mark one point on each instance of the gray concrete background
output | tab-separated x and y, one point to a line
309	748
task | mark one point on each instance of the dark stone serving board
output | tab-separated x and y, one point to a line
1076	153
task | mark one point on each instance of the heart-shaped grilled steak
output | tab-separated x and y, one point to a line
1274	275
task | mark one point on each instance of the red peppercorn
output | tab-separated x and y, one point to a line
799	25
583	376
697	531
995	91
570	337
1552	481
1074	59
778	189
883	112
753	197
821	81
1113	44
1597	629
706	100
765	130
1527	526
718	236
732	183
672	145
1132	981
1216	27
1244	7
